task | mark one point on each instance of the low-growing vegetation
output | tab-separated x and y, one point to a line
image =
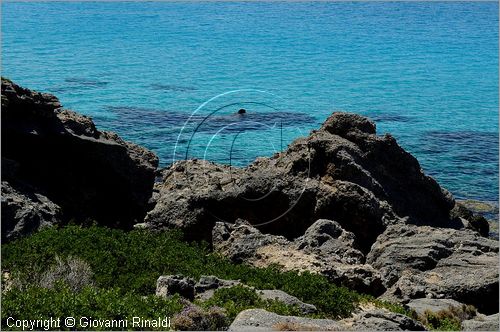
393	307
440	322
448	320
101	272
239	298
91	302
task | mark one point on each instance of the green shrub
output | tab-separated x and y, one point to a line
61	302
238	298
441	321
129	263
449	319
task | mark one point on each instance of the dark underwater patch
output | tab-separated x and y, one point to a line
466	162
206	122
161	130
85	82
171	87
463	146
391	118
77	83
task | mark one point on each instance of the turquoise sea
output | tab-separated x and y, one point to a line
171	75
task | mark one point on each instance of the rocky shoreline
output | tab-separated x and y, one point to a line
342	202
57	167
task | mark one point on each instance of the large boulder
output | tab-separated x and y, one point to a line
482	323
206	287
424	261
262	320
175	284
342	172
372	320
343	202
25	211
423	305
281	296
328	238
381	320
89	174
323	249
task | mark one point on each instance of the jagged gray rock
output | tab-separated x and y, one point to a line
241	242
207	285
24	211
432	262
175	284
262	320
342	172
482	323
328	238
212	282
89	174
281	296
382	320
420	306
372	320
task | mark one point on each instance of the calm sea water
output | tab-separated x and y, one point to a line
170	76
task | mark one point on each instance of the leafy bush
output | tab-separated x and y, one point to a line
131	261
441	321
238	298
61	302
127	265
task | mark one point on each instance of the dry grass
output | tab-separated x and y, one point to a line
449	319
290	326
195	318
74	272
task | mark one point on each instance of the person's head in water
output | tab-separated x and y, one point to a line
242	111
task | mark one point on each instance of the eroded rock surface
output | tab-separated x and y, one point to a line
420	306
175	284
24	211
89	174
262	320
373	320
381	320
323	249
343	202
342	172
418	262
482	323
281	296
